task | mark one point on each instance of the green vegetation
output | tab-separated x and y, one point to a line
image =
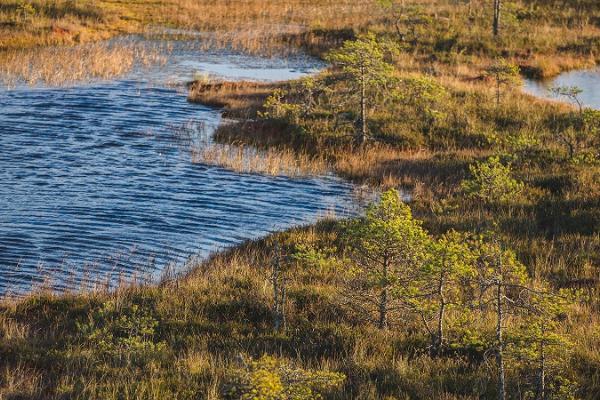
484	286
542	37
491	182
507	186
270	379
363	62
365	317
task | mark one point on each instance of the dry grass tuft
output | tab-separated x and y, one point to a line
13	330
19	382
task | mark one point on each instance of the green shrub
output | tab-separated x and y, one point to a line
271	379
492	182
122	334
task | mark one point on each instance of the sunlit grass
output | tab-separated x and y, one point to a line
56	66
274	162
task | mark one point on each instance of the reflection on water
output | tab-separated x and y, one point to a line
586	80
96	182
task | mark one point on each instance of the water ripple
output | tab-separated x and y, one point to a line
95	185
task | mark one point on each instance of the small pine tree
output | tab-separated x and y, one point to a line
539	344
491	181
500	276
582	137
364	63
384	248
406	19
503	73
443	282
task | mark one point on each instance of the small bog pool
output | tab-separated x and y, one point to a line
587	80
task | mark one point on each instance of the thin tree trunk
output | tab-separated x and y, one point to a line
542	373
571	150
497	7
498	92
363	109
282	300
440	325
399	32
500	342
383	301
278	291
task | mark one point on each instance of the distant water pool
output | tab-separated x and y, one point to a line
586	80
97	184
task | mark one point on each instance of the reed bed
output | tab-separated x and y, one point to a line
117	272
58	66
247	159
250	24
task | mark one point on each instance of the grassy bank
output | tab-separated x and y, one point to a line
29	23
182	339
435	130
554	224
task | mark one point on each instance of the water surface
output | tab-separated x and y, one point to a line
96	180
586	80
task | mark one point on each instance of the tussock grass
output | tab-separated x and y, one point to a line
242	99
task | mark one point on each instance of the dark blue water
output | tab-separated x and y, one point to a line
97	182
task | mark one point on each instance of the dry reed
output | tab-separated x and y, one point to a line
57	66
276	162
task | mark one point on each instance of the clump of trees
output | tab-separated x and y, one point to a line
395	271
360	96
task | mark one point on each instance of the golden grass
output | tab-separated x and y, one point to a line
276	162
55	66
242	24
19	381
543	44
254	26
12	330
544	40
221	312
240	99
